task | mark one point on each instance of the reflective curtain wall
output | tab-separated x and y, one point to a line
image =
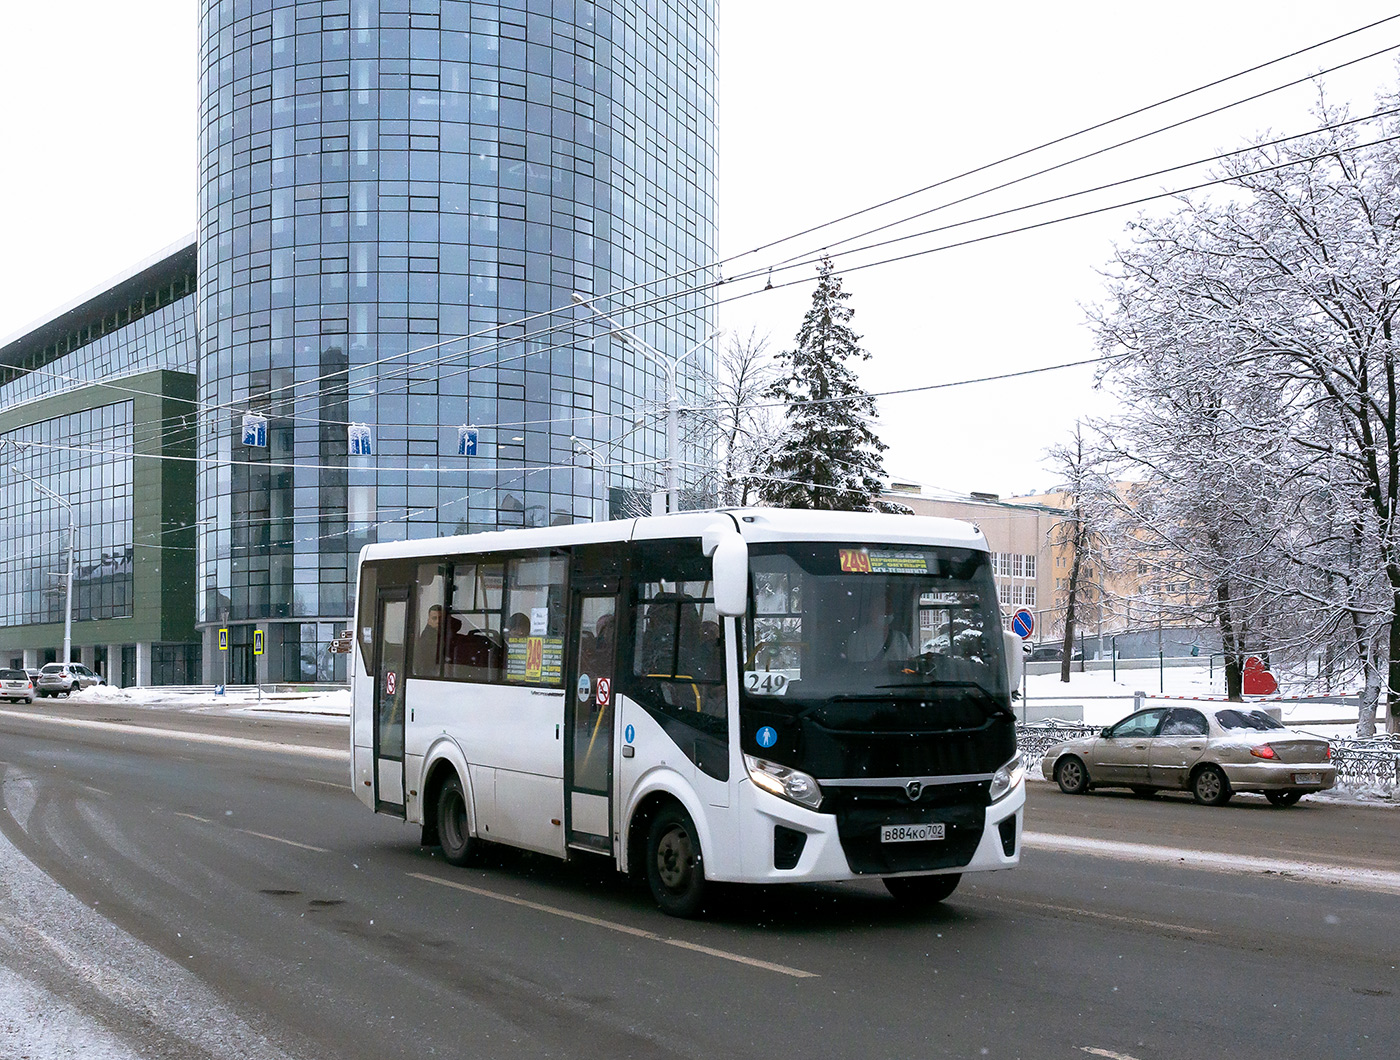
398	199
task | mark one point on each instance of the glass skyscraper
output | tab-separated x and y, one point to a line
398	200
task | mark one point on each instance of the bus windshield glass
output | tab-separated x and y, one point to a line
835	622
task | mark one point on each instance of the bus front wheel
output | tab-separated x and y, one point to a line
453	829
675	869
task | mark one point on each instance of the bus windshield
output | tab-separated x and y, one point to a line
831	622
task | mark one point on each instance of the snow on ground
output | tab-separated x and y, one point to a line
1105	700
241	699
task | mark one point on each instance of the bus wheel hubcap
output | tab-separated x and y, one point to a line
673	858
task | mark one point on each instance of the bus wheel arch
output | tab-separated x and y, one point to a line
459	843
662	826
675	863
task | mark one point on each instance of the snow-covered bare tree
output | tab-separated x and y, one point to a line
741	427
1269	320
828	456
1088	494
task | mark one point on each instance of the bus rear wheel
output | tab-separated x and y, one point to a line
675	869
453	829
922	890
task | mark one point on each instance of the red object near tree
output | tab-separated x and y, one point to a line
1257	680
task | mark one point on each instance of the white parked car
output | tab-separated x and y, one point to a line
16	686
66	678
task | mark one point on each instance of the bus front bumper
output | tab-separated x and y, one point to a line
785	842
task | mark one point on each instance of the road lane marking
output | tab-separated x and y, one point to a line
1374	880
327	753
1077	911
260	835
279	839
625	929
1108	1053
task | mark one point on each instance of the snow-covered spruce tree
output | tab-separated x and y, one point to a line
828	457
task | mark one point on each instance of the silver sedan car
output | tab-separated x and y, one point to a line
1211	754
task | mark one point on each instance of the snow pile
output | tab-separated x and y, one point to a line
332	703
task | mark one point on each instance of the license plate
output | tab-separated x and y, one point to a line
1307	778
911	833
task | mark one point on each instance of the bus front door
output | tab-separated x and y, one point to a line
390	670
589	721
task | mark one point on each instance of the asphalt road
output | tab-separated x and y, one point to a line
237	900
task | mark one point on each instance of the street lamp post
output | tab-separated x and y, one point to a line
600	461
669	365
68	578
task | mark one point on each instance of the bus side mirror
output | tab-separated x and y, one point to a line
731	569
1015	659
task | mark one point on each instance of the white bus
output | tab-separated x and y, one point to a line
757	695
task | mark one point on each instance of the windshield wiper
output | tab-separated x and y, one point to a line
937	682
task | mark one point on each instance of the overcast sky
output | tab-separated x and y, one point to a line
826	108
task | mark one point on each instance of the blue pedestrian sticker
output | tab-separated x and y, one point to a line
767	736
630	734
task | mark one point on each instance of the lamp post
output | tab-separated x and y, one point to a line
602	461
669	366
68	578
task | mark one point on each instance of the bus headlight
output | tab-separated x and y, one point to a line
1007	777
791	784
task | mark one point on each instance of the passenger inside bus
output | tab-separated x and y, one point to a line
427	651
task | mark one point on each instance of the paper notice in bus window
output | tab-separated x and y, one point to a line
855	561
535	660
898	562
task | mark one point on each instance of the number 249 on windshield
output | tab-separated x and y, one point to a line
765	683
855	561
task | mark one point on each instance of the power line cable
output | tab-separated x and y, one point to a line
1112	147
575	415
971	172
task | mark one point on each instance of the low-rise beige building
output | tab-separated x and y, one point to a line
1031	564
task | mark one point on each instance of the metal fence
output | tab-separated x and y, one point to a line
1372	764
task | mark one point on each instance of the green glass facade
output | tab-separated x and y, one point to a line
98	409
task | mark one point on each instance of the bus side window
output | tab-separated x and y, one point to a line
433	624
534	630
476	650
365	604
678	652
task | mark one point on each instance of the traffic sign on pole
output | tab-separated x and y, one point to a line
1023	623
